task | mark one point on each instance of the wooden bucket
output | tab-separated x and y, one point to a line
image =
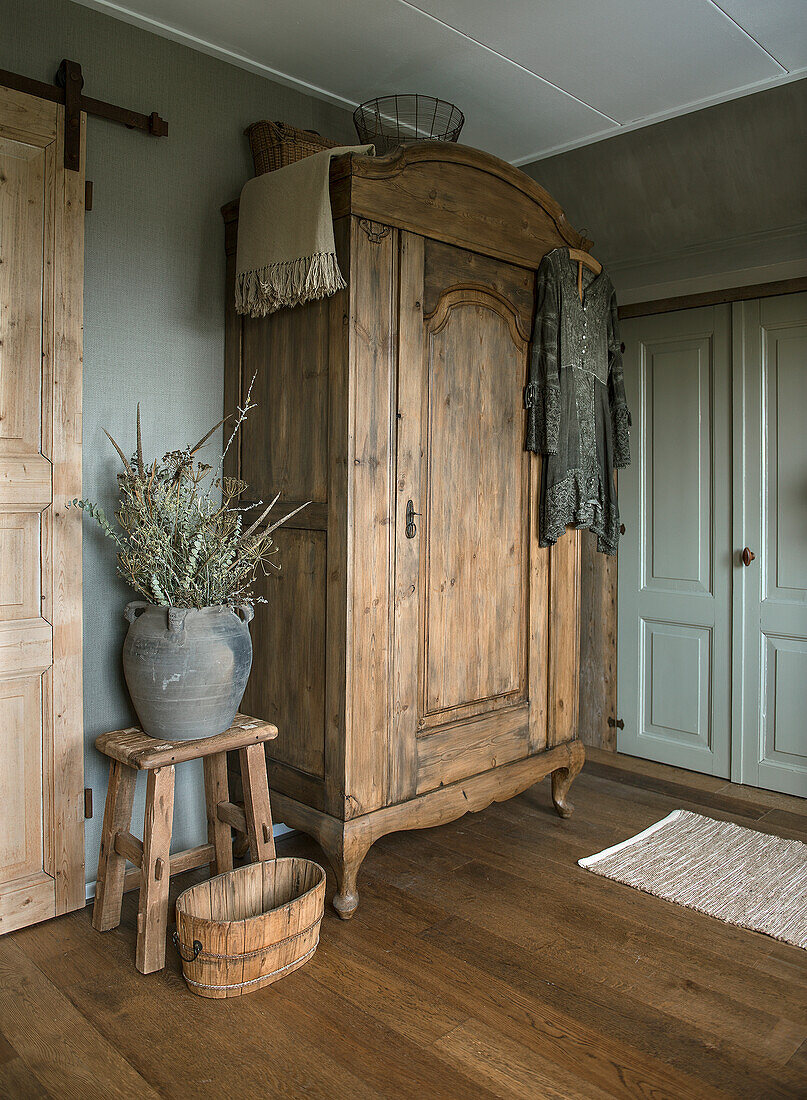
246	928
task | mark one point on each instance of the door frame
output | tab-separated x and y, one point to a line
60	887
743	768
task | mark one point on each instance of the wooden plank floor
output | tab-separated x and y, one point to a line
482	963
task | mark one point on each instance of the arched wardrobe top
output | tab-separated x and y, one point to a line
450	193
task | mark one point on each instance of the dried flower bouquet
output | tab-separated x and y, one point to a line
179	545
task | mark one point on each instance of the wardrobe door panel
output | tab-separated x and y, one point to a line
473	568
463	580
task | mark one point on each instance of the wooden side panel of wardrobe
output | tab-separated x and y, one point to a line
284	447
564	637
288	638
284	444
336	612
373	361
597	693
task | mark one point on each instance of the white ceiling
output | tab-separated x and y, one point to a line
533	77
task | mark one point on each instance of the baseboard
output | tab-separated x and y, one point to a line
278	831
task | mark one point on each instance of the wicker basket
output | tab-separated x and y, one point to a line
276	144
244	929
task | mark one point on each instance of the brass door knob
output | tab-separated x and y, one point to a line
747	556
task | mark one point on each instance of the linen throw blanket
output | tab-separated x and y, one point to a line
286	254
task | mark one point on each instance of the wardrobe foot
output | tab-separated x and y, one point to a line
563	778
346	864
346	904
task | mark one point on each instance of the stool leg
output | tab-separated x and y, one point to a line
219	833
111	866
155	874
256	802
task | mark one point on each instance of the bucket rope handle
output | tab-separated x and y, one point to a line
197	947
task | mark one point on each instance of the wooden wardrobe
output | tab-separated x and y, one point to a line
418	651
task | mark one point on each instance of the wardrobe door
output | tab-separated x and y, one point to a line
674	567
470	581
770	355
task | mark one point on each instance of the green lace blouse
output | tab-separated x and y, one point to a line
575	399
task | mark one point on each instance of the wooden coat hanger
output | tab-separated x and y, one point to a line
583	259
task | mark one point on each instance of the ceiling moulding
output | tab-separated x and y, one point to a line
154	26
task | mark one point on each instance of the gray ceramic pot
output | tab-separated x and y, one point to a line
186	669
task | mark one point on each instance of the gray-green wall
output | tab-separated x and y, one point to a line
153	288
712	199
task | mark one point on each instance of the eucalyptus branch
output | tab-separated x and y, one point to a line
176	545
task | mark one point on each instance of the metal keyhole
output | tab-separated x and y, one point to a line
410	530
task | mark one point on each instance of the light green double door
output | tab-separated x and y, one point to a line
712	653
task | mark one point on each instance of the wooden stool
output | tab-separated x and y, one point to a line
132	750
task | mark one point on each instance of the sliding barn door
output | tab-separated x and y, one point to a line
471	584
41	743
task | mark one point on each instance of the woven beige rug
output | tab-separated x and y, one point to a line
738	875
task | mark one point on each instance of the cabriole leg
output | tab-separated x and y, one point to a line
563	778
346	854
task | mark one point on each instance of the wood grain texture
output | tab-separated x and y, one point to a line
422	187
143	752
155	874
539	615
474	528
446	266
339	521
287	683
64	544
111	864
254	925
23	835
403	777
284	447
218	833
58	1052
347	843
257	811
373	362
131	750
598	627
564	637
452	653
41	316
485	963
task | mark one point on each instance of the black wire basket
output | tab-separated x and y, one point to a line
392	120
